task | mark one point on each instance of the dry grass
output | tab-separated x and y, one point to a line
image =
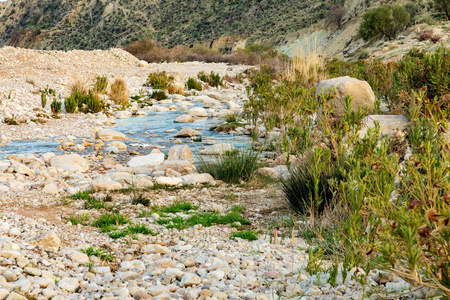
308	63
175	89
79	86
119	92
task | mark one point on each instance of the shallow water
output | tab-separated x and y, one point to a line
143	132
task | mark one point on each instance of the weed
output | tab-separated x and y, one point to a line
107	220
213	79
82	219
100	253
56	107
30	81
84	195
71	104
159	95
197	139
193	84
141	199
101	84
232	167
314	264
93	203
245	235
238	209
11	121
159	80
334	270
93	102
231	118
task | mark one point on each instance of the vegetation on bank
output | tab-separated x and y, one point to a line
384	197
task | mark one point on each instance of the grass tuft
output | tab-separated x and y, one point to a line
100	253
245	235
206	219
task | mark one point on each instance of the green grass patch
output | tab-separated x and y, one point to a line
84	195
245	235
82	219
238	209
232	167
100	253
132	230
206	219
108	221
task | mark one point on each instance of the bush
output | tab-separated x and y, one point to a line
148	50
93	102
424	36
159	80
71	104
101	84
386	19
232	167
443	6
119	92
159	95
309	189
335	15
193	84
213	79
56	106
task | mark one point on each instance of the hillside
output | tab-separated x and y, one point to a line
84	24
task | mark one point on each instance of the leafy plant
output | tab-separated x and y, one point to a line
71	104
314	264
56	107
108	220
213	79
131	230
100	253
386	19
206	219
93	102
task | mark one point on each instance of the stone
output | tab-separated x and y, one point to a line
70	162
108	134
216	275
173	273
180	152
155	248
50	240
79	257
142	295
105	183
170	181
156	290
217	149
268	172
187	132
190	279
198	178
51	188
146	162
389	124
33	271
118	145
184	119
360	91
3	293
181	166
69	284
10	254
15	296
22	169
198	112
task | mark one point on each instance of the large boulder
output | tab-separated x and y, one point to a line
70	162
108	134
146	162
217	149
389	124
360	91
180	152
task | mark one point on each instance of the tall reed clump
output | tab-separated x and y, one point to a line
101	84
119	92
159	80
231	167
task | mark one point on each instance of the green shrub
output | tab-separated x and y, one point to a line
56	106
386	19
107	220
213	79
309	189
71	104
206	219
443	6
232	167
100	253
93	102
193	84
159	95
159	80
101	84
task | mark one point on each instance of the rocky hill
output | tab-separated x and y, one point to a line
93	24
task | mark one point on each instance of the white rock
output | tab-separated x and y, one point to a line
171	181
70	162
105	183
389	124
184	119
217	149
69	284
146	162
108	134
187	132
51	188
190	279
198	112
50	240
